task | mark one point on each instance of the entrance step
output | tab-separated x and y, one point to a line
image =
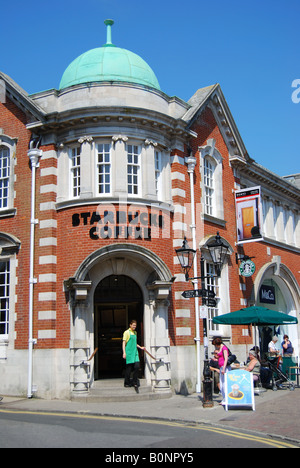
113	390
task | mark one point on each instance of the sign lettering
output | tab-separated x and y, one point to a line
119	224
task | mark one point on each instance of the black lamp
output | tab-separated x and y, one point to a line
186	257
218	251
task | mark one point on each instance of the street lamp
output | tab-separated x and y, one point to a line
218	251
186	258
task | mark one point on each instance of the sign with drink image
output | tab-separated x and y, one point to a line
239	389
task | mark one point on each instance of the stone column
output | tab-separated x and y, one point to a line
148	173
87	167
160	343
119	165
162	346
79	346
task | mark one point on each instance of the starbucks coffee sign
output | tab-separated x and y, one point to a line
247	268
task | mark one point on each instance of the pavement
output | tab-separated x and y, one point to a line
277	413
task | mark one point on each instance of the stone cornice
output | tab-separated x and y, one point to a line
115	115
17	95
266	178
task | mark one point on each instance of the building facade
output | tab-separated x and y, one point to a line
101	180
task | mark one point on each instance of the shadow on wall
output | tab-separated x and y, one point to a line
185	388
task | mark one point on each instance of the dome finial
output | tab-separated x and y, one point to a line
109	24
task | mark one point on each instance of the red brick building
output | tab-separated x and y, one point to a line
101	180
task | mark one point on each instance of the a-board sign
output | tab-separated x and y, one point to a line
239	389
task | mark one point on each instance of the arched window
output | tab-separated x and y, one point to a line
209	186
211	169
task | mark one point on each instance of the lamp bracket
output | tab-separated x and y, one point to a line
241	258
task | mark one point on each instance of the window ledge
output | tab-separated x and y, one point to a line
214	220
9	212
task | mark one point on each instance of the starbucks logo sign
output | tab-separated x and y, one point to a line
247	268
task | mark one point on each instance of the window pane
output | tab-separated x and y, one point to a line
75	171
209	187
212	283
133	169
4	298
4	176
104	168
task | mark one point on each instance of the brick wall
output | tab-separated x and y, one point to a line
12	123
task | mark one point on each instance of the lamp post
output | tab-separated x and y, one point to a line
186	258
218	251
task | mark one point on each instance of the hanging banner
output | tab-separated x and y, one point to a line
239	389
248	214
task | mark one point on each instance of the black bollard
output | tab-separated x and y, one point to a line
207	387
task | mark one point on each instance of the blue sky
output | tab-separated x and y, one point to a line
250	48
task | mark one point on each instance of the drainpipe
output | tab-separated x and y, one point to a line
34	154
191	162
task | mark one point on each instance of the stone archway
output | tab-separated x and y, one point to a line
288	294
154	280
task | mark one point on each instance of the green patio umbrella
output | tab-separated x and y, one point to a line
255	316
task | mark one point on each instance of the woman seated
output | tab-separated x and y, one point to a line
254	365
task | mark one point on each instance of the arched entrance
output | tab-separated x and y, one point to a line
117	300
93	292
276	288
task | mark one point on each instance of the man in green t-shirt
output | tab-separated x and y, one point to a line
131	354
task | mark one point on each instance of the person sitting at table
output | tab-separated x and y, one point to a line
253	366
256	349
273	351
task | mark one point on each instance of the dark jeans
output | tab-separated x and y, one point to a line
134	367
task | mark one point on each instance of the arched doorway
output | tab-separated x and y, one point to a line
151	278
117	300
276	288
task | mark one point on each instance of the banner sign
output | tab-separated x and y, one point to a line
248	214
239	389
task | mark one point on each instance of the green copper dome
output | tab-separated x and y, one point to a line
109	63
